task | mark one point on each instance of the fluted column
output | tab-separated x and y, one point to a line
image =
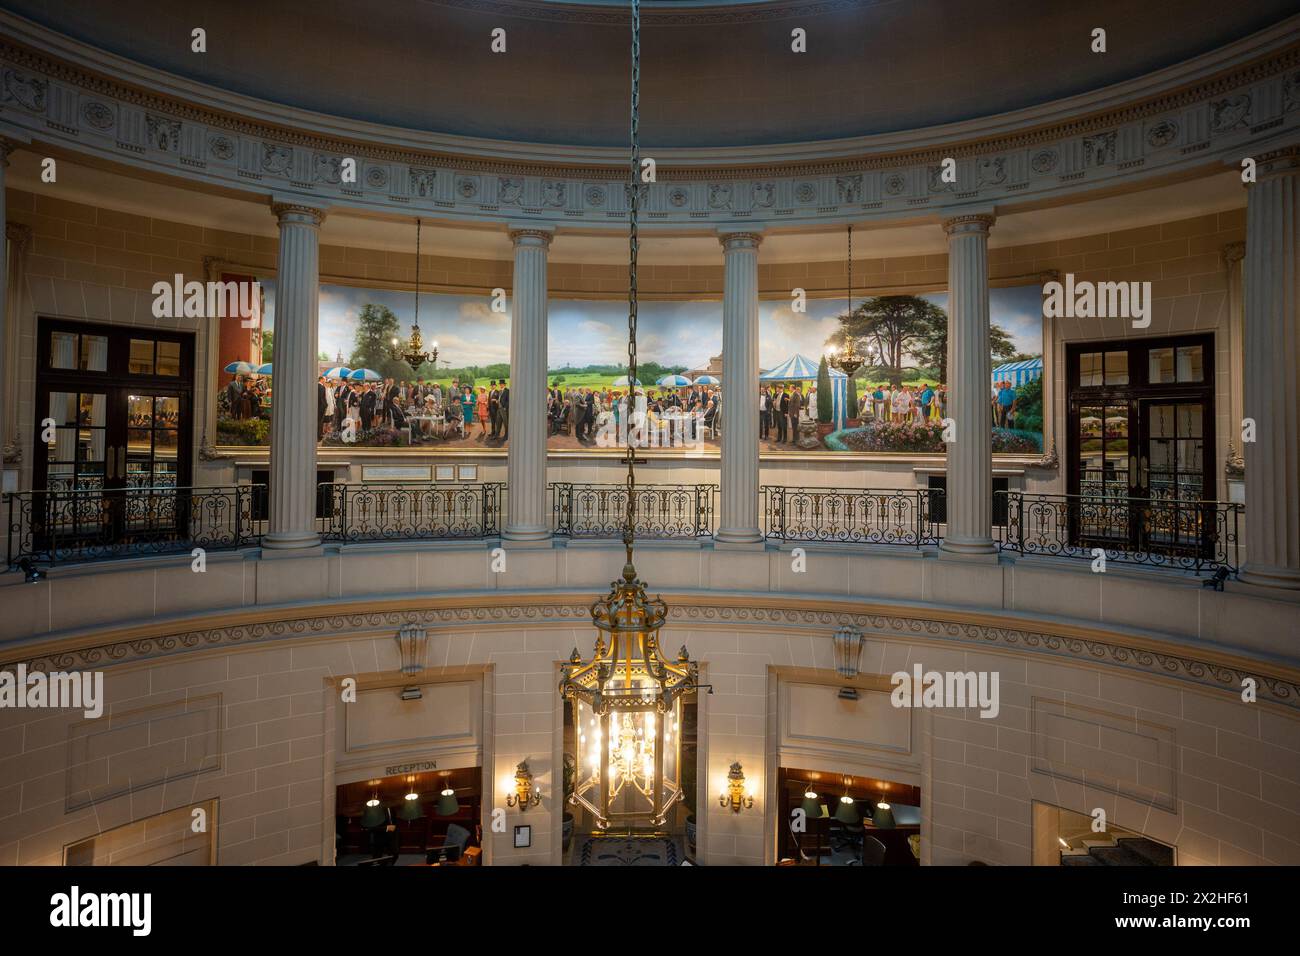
292	522
526	518
738	523
1233	255
970	454
6	440
1270	371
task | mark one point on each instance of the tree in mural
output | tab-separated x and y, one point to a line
825	404
903	327
377	326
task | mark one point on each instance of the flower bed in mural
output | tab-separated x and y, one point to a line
924	437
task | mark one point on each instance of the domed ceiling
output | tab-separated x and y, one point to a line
713	74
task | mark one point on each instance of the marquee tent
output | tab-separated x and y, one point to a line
1018	373
797	368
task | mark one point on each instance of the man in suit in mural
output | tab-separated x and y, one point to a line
494	398
503	410
796	406
782	413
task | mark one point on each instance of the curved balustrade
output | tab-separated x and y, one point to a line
858	515
662	511
64	525
409	513
1163	532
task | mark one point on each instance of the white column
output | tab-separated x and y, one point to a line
738	523
293	388
12	315
1233	255
970	454
527	517
1271	371
6	440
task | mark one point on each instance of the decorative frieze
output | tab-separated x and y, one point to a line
58	101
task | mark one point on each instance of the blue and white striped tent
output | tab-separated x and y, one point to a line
797	368
1018	373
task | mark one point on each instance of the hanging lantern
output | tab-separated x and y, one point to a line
412	353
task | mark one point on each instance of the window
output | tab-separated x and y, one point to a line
1103	368
79	352
1183	363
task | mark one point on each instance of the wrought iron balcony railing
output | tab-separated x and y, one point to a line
63	525
857	515
662	511
409	512
1175	533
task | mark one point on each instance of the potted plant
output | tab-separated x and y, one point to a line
570	776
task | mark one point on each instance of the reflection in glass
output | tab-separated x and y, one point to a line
1090	369
63	350
1160	369
1117	368
1189	364
94	353
169	358
141	360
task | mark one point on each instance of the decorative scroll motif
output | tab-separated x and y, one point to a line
221	146
412	644
678	196
662	511
763	195
165	134
744	612
276	159
376	177
1230	112
422	181
1234	466
97	114
849	188
595	196
1162	134
1099	150
895	183
805	193
27	90
719	195
848	651
1044	161
467	187
510	190
553	193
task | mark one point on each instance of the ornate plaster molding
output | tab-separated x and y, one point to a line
1149	656
1040	155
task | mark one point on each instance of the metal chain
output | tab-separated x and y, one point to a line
850	272
417	274
635	203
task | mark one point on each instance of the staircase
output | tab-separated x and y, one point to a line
1125	851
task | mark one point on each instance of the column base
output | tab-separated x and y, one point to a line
1266	577
748	538
977	550
526	536
294	541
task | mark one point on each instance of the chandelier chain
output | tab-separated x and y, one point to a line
417	273
634	196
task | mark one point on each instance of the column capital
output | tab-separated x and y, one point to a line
970	222
288	210
1234	252
1284	161
740	238
531	234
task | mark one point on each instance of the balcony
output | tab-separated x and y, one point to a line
74	526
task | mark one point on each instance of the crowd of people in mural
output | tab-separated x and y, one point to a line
600	416
416	412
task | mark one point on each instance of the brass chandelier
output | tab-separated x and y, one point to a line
412	353
627	700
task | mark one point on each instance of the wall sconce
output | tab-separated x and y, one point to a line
735	797
524	796
848	651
